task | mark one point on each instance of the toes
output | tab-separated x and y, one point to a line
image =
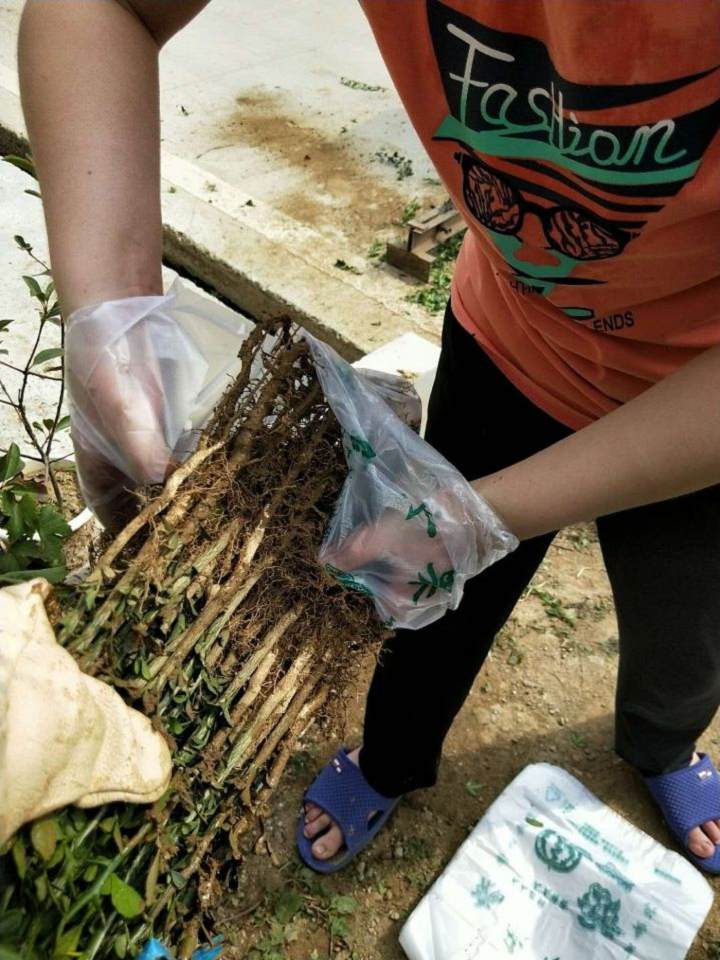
328	845
700	844
312	812
711	831
317	825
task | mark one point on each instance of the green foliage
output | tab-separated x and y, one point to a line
347	267
42	362
434	295
359	85
553	606
22	163
307	894
35	532
409	212
403	165
376	250
473	788
125	899
65	877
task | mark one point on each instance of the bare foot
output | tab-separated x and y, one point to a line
702	840
319	824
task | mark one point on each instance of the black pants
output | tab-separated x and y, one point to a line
663	561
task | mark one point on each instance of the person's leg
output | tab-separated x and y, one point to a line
663	561
481	423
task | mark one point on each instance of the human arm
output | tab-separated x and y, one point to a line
90	94
662	444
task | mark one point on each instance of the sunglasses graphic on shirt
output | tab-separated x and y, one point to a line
499	205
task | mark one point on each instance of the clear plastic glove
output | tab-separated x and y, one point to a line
143	374
408	529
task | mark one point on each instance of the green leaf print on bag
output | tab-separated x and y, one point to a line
556	852
598	911
485	894
349	581
511	941
416	511
432	582
361	446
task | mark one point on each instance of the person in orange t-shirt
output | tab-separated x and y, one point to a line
580	370
580	142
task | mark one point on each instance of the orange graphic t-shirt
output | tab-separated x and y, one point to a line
580	141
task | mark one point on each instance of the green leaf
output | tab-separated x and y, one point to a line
11	923
22	163
51	574
33	193
120	945
18	855
126	900
42	356
10	463
287	905
56	857
339	927
62	424
117	837
67	943
52	529
7	953
473	788
34	287
106	888
43	836
41	887
151	880
21	511
4	324
343	904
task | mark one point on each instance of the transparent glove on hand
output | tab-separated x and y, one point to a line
142	375
408	528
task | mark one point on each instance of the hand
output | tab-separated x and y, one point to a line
414	560
117	406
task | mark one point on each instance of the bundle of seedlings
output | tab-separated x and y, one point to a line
210	613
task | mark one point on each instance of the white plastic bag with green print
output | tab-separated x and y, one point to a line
551	873
408	529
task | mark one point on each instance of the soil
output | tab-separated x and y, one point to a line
328	175
546	694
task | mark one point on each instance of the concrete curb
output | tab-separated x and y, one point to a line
258	261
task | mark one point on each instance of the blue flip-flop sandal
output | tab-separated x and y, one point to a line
688	798
344	794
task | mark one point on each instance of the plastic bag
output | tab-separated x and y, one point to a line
143	374
408	529
552	872
399	393
156	950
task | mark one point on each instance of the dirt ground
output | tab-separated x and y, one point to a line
546	694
